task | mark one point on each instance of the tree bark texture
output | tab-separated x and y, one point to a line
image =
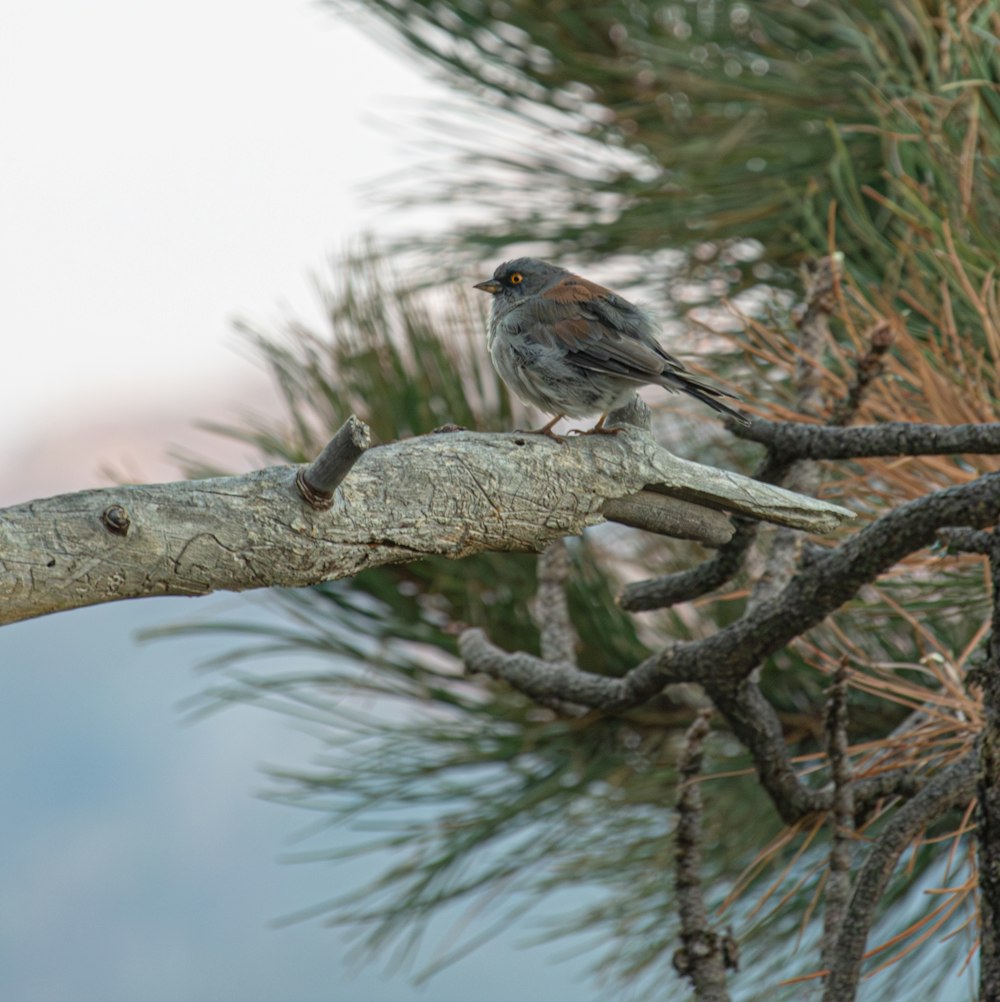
449	494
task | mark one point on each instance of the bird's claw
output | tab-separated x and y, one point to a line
596	430
546	431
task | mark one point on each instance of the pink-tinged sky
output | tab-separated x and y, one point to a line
166	168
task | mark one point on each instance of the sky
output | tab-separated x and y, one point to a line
137	859
166	168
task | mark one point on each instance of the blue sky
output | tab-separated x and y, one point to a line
137	861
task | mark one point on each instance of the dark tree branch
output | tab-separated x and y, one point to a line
838	879
987	676
703	955
951	788
750	716
550	609
755	722
658	593
874	790
967	540
895	438
547	681
317	482
828	581
866	370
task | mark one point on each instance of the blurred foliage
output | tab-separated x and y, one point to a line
708	145
668	121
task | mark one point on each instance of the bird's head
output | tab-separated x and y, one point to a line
522	277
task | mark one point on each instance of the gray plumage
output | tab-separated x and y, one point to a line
572	348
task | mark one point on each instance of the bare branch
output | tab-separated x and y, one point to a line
755	722
838	880
867	368
821	279
967	540
549	682
731	654
951	788
894	438
987	677
452	495
670	517
669	589
750	716
550	610
318	481
704	953
658	593
828	581
706	485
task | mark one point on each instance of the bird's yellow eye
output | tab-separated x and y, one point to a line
517	278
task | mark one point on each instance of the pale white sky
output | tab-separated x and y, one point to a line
164	168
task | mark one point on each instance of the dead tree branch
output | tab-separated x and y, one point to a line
951	788
987	677
704	954
838	882
550	609
795	440
452	495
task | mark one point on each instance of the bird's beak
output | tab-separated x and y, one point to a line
492	286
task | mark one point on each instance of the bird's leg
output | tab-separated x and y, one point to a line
599	428
546	430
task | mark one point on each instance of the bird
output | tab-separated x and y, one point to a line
573	348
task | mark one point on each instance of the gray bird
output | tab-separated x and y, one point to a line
573	348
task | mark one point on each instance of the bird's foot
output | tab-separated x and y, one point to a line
599	428
596	430
546	431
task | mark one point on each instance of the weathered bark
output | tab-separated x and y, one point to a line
949	789
987	677
450	494
704	953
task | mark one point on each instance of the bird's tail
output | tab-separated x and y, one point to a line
706	393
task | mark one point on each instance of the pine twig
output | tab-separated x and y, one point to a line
821	279
952	787
838	883
550	610
868	368
987	676
704	954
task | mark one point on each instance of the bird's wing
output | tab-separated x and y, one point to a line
602	331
